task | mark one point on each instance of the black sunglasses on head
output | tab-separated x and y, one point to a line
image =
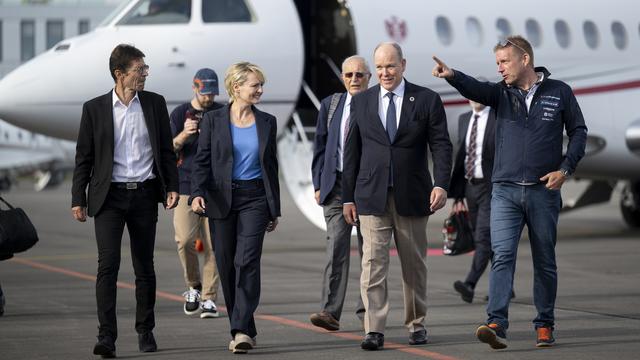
506	42
359	75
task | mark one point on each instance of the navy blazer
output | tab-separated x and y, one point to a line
212	171
458	182
369	153
325	151
94	150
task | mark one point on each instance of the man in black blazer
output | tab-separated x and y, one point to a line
387	184
471	179
124	154
331	132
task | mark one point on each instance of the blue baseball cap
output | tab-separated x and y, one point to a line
206	82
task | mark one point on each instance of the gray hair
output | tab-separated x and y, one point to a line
356	58
394	44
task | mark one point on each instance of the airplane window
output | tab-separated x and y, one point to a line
219	11
619	35
443	29
591	35
148	12
534	34
474	31
563	35
503	27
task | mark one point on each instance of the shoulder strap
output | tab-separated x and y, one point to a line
335	99
7	203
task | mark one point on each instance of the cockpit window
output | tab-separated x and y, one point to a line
217	11
149	12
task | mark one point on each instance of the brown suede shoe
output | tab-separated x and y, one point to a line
325	320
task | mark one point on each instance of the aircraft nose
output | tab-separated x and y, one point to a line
10	93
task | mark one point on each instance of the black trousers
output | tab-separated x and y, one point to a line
237	242
138	210
479	202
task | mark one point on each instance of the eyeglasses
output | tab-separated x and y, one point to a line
359	75
505	42
141	69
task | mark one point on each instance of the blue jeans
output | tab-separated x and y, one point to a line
513	206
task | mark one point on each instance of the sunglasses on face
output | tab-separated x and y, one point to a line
507	42
359	75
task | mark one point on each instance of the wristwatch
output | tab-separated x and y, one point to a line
565	173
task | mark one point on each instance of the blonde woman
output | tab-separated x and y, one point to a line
235	183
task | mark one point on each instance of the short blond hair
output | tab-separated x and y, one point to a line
518	42
237	75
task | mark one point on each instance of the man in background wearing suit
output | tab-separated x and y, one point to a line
387	184
331	132
125	155
471	179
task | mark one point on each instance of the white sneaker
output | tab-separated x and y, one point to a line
191	301
242	343
209	310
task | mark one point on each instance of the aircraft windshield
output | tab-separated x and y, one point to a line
148	12
113	14
216	11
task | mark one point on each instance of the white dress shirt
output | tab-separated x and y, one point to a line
346	112
383	103
483	117
132	153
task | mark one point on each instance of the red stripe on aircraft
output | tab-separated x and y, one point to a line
582	91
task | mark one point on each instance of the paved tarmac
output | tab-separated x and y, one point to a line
50	311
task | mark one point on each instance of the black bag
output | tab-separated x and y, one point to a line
17	233
457	234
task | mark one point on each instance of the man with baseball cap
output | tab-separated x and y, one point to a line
202	290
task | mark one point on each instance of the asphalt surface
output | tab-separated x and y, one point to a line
50	311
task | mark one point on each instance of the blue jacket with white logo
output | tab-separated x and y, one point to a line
529	143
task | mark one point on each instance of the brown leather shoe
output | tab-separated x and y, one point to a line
325	320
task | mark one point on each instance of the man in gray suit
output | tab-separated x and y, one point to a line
331	132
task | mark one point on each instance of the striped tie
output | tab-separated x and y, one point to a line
471	149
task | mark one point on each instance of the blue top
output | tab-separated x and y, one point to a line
246	156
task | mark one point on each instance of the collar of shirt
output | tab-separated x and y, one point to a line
483	112
398	91
115	100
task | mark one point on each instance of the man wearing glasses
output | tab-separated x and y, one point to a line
124	154
532	111
331	132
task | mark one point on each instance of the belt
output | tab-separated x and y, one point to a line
476	181
133	185
253	183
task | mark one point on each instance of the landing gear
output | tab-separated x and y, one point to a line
630	204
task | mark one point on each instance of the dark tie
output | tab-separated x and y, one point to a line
347	121
471	149
392	126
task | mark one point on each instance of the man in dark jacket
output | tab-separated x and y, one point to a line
532	111
124	156
471	180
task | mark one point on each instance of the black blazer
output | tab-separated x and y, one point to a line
369	153
212	171
94	149
458	182
325	148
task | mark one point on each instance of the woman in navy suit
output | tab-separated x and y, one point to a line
235	183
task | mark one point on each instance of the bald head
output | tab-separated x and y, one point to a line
390	64
355	74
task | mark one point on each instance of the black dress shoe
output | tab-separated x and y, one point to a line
373	341
147	343
418	337
105	347
465	290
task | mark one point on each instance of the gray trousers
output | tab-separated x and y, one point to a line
336	271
